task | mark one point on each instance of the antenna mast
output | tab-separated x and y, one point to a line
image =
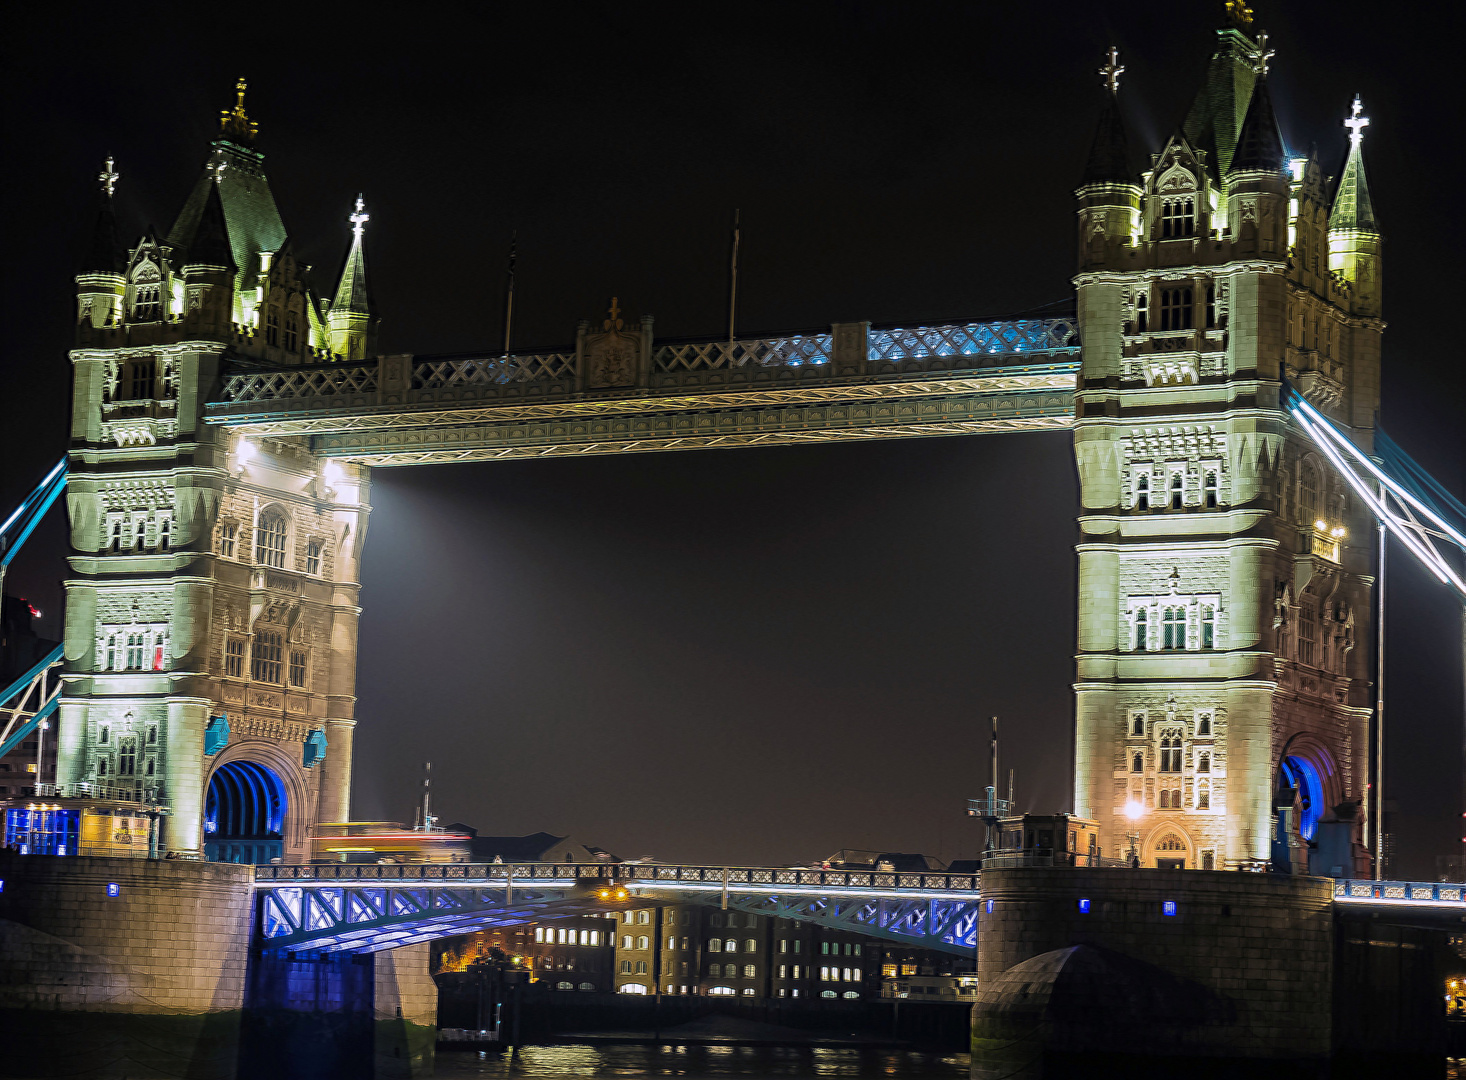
427	797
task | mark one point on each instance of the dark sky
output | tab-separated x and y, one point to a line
752	655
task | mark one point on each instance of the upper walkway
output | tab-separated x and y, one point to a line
618	392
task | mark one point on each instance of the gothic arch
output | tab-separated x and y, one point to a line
1308	764
284	761
1168	840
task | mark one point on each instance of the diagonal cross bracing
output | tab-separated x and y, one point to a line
368	908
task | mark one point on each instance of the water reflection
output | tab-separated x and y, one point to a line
708	1060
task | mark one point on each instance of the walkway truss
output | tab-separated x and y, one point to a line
370	908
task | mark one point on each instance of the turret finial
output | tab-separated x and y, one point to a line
236	123
359	218
1239	14
1264	54
109	177
615	321
1356	122
1112	71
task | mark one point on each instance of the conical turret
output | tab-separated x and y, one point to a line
1109	197
209	269
1259	143
1354	237
1216	116
352	322
101	282
1109	153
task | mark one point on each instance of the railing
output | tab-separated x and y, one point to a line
796	350
1400	892
644	874
92	789
1010	338
495	371
1008	860
330	380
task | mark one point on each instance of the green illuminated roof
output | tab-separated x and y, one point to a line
1259	144
250	215
1217	114
1353	208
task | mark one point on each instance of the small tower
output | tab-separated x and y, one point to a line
101	282
1354	237
1109	198
353	326
208	273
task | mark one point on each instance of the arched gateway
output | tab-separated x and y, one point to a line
227	417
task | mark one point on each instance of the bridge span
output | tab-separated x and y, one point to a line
364	908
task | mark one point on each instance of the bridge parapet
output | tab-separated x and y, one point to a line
1389	893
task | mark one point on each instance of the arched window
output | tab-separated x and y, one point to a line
165	539
715	945
750	945
1203	723
292	336
1142	311
136	652
116	543
1171	842
265	661
643	916
731	945
1140	643
1137	724
272	326
1213	491
1178	490
715	971
1174	627
641	967
1175	798
1137	763
127	757
1203	798
643	942
1308	492
1165	803
103	734
101	766
750	971
1142	491
1203	763
1208	626
270	540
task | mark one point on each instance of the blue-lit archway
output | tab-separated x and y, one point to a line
1303	778
244	815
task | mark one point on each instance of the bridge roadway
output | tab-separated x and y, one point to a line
614	392
363	908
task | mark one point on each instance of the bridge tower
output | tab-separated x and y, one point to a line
1224	572
211	610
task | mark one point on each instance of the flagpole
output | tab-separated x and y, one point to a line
509	299
733	283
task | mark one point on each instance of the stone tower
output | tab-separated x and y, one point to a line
1224	571
212	602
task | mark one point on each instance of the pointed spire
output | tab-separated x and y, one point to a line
1259	143
1353	208
210	243
351	294
1109	153
105	254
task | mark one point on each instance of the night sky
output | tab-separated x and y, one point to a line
741	655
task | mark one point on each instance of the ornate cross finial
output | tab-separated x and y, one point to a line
1356	122
1112	70
359	218
614	322
1239	13
1264	54
109	177
234	122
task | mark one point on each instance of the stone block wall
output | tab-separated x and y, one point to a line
1255	951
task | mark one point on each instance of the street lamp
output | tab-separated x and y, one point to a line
1134	811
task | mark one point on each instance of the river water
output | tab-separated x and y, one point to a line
702	1060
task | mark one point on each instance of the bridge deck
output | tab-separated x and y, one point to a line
851	383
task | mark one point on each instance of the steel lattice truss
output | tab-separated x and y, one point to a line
369	908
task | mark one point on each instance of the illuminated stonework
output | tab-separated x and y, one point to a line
209	577
1224	588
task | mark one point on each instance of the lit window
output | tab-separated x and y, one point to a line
234	658
313	557
633	988
750	945
266	658
297	667
715	945
828	994
643	916
626	941
270	540
748	991
715	971
625	968
643	942
641	967
750	971
228	535
720	991
539	933
783	971
731	945
1176	309
145	304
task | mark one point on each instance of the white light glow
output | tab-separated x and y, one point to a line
1133	811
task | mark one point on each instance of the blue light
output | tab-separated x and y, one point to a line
1168	907
112	889
1304	777
2	884
1084	907
989	907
